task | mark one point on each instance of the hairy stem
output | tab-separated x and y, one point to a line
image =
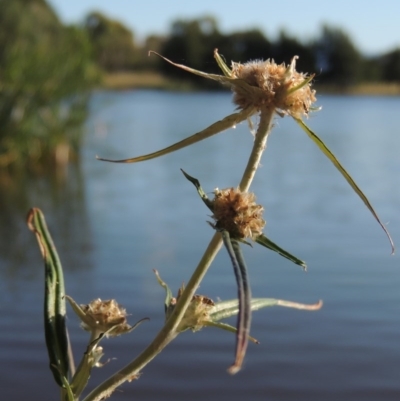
260	144
168	332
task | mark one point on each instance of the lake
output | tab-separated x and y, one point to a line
114	223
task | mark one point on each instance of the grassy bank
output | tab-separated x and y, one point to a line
367	89
154	80
142	80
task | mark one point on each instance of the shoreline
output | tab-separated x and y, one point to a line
155	80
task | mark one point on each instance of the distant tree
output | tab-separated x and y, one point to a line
246	45
372	69
45	72
391	66
192	43
113	43
286	47
338	59
154	43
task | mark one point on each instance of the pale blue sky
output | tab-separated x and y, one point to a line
373	25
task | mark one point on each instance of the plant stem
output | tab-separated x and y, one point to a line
168	332
260	144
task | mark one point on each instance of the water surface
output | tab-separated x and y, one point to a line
114	223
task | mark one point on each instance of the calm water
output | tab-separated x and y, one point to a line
114	223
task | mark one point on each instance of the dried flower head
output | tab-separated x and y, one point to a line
237	213
105	317
197	314
275	85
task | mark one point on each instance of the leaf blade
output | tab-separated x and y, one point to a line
215	128
321	145
54	303
200	190
264	241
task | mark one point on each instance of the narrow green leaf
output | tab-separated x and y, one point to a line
244	317
297	305
222	125
345	174
138	323
244	297
301	85
264	241
54	302
200	190
89	359
168	293
221	64
67	390
227	327
227	79
77	308
219	78
226	309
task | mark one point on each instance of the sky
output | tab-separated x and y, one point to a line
373	25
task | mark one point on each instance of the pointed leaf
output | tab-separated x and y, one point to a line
244	296
297	305
89	359
54	303
221	64
138	323
228	327
67	390
264	241
226	309
77	309
222	125
200	190
345	174
301	85
220	78
244	311
168	293
227	79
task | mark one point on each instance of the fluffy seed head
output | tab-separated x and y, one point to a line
197	313
105	315
237	213
273	85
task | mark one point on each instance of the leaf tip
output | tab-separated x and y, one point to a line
29	218
232	370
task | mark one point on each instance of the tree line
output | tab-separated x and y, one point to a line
332	55
47	69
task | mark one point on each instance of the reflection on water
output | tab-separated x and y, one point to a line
63	202
114	223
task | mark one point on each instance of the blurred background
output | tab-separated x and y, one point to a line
76	81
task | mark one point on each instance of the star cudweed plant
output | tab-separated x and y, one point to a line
237	217
264	88
260	88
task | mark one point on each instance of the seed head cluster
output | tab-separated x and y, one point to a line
105	315
237	213
197	313
273	85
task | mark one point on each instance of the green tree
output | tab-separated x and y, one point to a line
113	43
154	43
192	42
338	59
391	66
45	72
246	45
286	47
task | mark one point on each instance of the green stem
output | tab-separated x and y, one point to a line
260	144
168	332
